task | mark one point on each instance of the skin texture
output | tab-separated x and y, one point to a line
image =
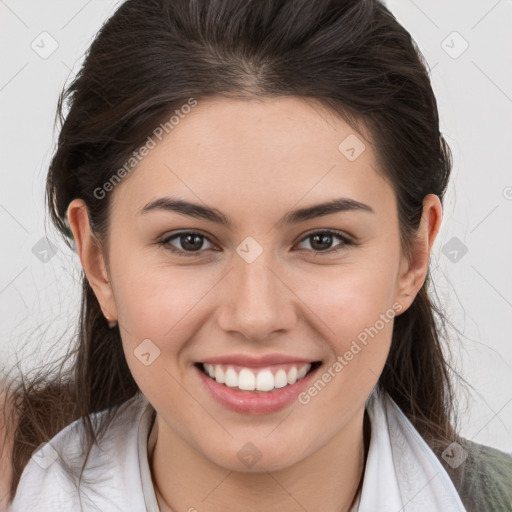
254	161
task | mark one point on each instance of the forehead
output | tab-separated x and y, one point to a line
256	153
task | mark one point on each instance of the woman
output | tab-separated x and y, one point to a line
253	190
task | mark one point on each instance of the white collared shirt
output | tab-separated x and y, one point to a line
402	473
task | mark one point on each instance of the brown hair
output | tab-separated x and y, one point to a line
148	59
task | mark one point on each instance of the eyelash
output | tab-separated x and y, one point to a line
166	242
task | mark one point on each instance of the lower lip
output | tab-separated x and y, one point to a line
249	402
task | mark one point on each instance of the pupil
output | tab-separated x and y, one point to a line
190	245
324	238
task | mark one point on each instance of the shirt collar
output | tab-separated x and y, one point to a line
402	472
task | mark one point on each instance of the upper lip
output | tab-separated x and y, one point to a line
256	361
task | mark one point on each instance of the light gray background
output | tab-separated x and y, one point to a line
39	292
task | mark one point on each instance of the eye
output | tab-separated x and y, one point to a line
190	241
322	239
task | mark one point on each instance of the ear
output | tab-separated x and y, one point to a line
89	250
413	270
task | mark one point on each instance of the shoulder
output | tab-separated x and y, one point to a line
59	477
484	478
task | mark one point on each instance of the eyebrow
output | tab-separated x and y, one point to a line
293	217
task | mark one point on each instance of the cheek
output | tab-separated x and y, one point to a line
355	314
160	303
354	308
162	309
350	298
159	311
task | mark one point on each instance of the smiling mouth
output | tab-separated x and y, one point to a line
263	380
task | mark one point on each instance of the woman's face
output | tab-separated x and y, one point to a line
265	281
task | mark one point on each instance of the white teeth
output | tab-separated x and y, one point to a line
246	380
231	378
262	380
280	379
302	372
292	375
219	375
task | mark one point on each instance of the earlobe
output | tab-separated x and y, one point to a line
414	270
90	253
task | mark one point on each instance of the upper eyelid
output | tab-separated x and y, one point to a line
167	237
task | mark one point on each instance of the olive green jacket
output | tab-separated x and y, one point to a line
484	480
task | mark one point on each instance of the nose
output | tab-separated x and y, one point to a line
256	300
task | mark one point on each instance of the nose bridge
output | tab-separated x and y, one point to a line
252	265
255	281
257	302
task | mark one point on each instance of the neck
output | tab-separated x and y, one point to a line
330	479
